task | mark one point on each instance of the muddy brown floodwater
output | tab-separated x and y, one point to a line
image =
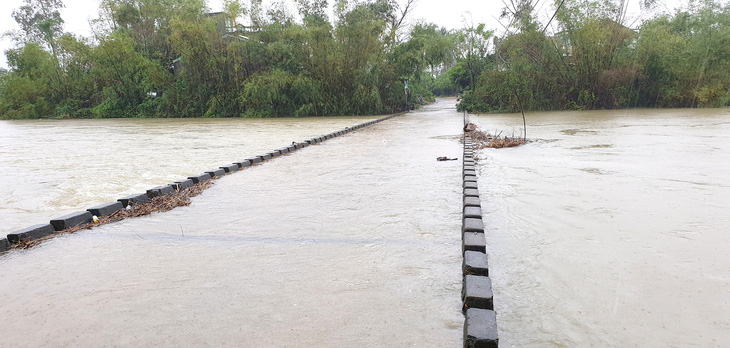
54	167
354	242
611	230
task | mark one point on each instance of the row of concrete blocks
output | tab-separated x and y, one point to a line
480	324
84	217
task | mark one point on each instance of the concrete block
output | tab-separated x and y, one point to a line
292	148
480	329
71	220
230	168
303	145
200	178
254	160
33	232
134	199
5	245
468	158
160	191
183	184
105	209
475	263
283	150
469	163
470	172
265	157
477	292
470	184
243	164
275	153
473	241
470	178
470	166
471	192
472	212
218	173
473	225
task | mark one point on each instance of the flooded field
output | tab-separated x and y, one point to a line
354	242
611	229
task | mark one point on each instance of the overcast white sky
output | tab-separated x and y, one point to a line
450	14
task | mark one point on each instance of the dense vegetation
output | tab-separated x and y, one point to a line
171	58
595	62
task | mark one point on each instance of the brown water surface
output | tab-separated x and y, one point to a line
611	229
351	243
54	167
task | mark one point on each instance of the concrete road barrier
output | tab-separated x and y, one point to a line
473	212
480	329
160	191
474	241
470	178
105	209
472	202
183	184
230	168
200	178
30	233
468	172
71	220
471	192
218	173
473	225
470	184
477	292
475	263
243	164
134	199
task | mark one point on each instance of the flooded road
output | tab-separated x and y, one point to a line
354	242
54	167
611	230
